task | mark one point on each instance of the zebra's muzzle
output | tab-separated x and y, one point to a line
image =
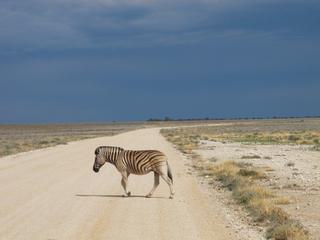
95	169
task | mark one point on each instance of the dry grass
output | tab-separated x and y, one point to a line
260	201
184	141
303	131
242	179
290	164
20	138
293	186
251	157
316	147
281	200
282	137
290	230
8	147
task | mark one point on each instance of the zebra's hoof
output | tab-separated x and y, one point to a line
148	196
171	197
127	195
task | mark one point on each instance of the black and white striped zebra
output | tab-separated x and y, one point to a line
135	162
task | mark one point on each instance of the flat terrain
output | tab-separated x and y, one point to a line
22	138
279	157
53	193
293	172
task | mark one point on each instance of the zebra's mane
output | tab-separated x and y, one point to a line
98	149
114	148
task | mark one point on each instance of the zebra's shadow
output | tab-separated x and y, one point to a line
116	196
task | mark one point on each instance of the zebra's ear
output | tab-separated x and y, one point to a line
96	152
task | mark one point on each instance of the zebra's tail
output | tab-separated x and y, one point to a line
169	172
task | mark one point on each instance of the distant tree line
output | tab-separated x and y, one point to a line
166	118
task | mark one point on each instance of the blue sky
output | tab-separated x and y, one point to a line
104	60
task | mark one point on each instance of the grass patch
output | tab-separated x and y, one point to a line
290	230
251	157
184	140
260	202
278	137
263	132
213	159
281	201
21	138
249	173
316	147
293	186
290	164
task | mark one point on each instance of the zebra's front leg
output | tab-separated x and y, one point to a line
124	183
155	185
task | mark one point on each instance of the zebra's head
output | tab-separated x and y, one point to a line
100	159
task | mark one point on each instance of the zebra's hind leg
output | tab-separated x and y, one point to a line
124	183
155	185
169	182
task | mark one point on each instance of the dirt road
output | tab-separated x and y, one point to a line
54	194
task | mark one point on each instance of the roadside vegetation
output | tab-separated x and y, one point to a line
21	138
262	204
297	132
243	180
280	137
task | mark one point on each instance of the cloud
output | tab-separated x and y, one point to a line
53	25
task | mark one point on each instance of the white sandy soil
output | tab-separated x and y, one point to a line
295	173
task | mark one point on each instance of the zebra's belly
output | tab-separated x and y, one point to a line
140	172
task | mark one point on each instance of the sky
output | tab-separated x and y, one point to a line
129	60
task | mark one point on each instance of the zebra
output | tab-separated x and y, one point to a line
136	162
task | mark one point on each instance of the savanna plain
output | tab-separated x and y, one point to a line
234	179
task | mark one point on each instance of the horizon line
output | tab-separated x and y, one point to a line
164	119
